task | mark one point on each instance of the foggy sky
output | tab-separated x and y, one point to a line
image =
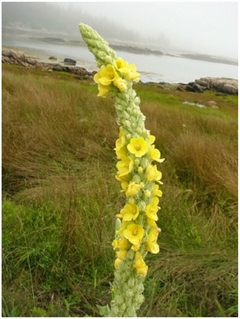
201	27
205	27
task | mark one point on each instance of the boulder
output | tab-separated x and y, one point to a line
14	54
194	87
220	85
230	89
69	61
202	83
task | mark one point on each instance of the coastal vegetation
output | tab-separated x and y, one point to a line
60	198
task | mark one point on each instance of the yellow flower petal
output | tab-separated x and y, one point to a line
151	139
157	191
151	211
120	243
129	212
151	244
103	90
120	64
124	166
134	233
138	146
151	222
153	173
140	265
133	189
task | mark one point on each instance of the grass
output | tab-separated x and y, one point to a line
60	198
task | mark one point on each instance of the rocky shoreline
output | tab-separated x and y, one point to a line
19	58
220	85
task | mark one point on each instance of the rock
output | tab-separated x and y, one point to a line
57	67
181	87
32	62
61	68
212	104
52	58
69	61
229	89
80	71
14	54
17	57
220	85
5	59
194	87
203	83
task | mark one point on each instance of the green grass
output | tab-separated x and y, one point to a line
60	198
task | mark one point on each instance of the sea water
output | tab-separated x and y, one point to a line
155	68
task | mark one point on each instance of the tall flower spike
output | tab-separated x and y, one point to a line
136	230
97	45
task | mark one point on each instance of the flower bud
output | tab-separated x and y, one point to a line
147	193
140	169
145	162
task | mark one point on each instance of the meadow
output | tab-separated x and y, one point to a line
60	197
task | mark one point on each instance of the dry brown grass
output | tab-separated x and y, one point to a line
202	150
59	164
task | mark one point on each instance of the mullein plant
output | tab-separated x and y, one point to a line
136	228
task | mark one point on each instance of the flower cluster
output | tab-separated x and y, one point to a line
137	171
115	75
140	180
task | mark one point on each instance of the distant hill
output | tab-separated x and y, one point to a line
50	18
209	58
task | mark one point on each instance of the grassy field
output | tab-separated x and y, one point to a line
60	198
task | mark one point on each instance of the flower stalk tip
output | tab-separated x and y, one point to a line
136	231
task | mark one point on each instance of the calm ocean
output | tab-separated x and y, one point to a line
152	68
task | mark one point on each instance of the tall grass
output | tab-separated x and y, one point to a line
60	198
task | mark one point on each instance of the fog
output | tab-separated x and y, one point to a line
194	27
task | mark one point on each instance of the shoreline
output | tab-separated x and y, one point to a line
12	55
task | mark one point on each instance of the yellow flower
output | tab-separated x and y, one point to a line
151	139
120	143
135	247
104	78
153	173
138	146
133	188
140	265
124	185
106	75
129	212
156	191
124	167
155	154
134	233
151	222
103	90
128	71
131	74
121	152
120	243
151	244
120	64
152	208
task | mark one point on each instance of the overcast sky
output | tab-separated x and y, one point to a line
205	27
